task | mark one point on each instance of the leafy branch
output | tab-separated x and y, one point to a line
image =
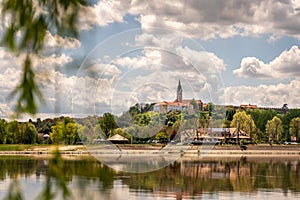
28	23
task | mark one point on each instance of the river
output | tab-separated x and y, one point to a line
76	177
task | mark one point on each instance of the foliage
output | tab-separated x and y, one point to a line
66	131
30	134
3	125
12	129
108	124
274	129
244	122
28	90
286	120
194	104
57	134
162	137
295	128
44	126
261	116
172	117
29	22
204	120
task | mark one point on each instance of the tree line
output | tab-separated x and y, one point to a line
140	124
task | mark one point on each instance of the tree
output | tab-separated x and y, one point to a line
30	134
286	120
295	128
274	129
65	130
194	104
244	122
12	129
162	137
108	124
25	33
261	117
3	125
204	120
70	133
57	133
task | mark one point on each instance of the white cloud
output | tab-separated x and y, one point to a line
206	19
56	41
265	95
286	65
102	13
11	72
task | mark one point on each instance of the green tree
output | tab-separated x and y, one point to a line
108	124
274	129
65	131
172	117
70	133
3	125
57	133
295	128
30	134
162	137
286	120
143	119
134	110
204	120
261	117
12	129
244	122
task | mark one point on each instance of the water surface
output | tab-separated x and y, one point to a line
188	178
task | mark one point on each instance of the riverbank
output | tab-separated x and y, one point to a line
263	150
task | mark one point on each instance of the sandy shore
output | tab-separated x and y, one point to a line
258	150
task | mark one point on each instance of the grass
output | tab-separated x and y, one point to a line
13	147
23	147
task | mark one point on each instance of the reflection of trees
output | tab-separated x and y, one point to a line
58	173
181	178
193	178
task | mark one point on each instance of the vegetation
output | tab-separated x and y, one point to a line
141	125
243	121
274	129
295	128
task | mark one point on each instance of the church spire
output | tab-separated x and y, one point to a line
179	93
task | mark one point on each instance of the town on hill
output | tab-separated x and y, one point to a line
182	121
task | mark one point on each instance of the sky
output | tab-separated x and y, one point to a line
135	51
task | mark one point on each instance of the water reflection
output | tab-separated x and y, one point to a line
86	178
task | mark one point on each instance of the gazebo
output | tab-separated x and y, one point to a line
118	139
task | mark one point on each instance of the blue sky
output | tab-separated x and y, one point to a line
225	52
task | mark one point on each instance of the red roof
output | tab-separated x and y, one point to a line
248	106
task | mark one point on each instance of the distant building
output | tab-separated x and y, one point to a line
179	103
248	106
217	135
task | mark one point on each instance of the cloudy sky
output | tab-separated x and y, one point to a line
226	52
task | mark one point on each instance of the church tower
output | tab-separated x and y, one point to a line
179	93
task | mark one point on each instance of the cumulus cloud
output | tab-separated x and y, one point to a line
287	64
102	13
56	41
265	95
206	19
253	67
11	71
